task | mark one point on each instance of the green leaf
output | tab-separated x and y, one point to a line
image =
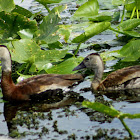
7	5
129	24
88	9
100	18
131	51
22	11
11	23
64	33
130	6
48	33
45	58
56	45
91	30
117	2
59	9
24	50
22	77
130	116
111	111
102	108
132	33
44	2
48	27
65	67
26	33
27	51
109	55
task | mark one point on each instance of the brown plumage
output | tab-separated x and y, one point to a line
126	78
34	85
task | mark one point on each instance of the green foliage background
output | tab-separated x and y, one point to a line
35	43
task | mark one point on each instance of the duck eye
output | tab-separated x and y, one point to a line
86	59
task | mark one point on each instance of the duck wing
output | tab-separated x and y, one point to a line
41	83
120	76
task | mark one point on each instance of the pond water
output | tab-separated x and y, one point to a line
66	118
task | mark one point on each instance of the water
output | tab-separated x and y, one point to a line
67	119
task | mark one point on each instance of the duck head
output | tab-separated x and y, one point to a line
92	61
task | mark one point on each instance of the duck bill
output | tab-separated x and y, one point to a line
80	66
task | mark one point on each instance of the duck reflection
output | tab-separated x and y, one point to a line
28	113
35	108
129	95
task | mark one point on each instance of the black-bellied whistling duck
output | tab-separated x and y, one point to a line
34	85
126	78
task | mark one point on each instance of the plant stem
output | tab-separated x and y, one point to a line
131	135
137	13
47	8
116	30
133	12
123	14
27	68
76	51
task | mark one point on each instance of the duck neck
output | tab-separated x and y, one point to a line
6	64
98	73
7	84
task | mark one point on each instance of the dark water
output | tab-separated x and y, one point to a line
64	117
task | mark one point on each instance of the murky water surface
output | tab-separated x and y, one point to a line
65	118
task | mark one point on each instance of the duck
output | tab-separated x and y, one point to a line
31	86
125	78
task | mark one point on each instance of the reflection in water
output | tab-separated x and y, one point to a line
33	111
129	95
37	119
